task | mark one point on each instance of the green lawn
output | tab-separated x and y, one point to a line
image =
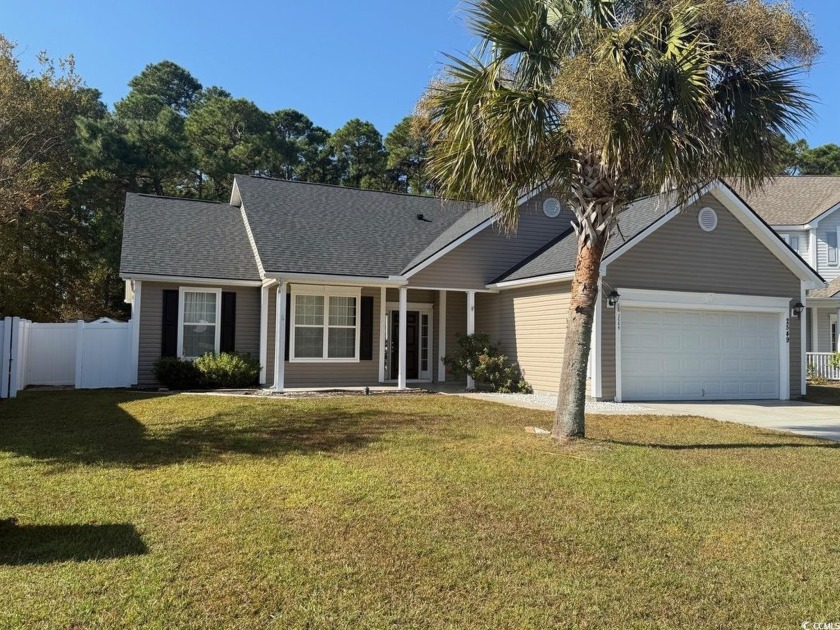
421	511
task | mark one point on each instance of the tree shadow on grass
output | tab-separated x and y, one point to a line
43	544
723	445
80	428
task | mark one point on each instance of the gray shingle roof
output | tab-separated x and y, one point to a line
559	255
793	200
320	229
830	290
182	237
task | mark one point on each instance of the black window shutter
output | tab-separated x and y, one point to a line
169	342
366	332
288	324
227	343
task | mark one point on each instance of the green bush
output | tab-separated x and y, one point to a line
225	370
485	363
177	373
228	370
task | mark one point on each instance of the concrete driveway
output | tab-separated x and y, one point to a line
821	421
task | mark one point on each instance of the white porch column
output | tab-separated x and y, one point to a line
470	327
265	296
383	326
280	338
836	332
441	335
403	337
815	329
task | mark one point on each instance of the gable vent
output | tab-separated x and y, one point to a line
707	218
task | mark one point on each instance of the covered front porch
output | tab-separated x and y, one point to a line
822	338
339	335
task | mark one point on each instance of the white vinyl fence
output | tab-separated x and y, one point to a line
83	355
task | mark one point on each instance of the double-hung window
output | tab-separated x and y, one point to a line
325	324
199	315
831	247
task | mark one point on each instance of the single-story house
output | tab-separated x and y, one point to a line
332	286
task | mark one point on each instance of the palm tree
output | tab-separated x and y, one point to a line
607	100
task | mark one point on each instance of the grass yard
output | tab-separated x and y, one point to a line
420	511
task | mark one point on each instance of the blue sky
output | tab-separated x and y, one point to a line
331	59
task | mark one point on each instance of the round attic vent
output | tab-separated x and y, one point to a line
552	207
707	218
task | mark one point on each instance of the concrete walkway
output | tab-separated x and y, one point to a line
820	421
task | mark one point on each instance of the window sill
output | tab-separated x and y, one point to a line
321	360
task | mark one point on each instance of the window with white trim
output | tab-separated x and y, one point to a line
199	318
831	247
325	324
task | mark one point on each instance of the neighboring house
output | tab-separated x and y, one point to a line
804	211
332	286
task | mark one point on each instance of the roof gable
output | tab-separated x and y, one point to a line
320	229
644	217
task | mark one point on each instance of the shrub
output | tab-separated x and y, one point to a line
224	370
228	370
485	363
177	373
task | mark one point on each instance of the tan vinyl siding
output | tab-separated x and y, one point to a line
151	324
326	374
679	256
530	325
490	253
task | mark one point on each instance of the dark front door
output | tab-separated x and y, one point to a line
412	344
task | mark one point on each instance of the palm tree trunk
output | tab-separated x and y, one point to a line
569	420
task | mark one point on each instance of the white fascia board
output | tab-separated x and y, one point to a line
702	301
768	237
318	278
453	289
193	280
251	240
792	228
566	276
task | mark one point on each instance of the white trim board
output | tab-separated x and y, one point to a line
320	278
565	276
215	282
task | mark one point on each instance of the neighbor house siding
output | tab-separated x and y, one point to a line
679	256
828	225
325	374
247	331
491	252
530	325
804	238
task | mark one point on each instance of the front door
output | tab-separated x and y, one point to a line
412	344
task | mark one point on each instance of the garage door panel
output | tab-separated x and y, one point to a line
699	355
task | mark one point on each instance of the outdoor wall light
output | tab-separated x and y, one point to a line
797	309
612	299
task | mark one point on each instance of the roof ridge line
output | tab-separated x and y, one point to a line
361	190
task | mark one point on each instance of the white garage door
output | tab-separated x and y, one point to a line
698	355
